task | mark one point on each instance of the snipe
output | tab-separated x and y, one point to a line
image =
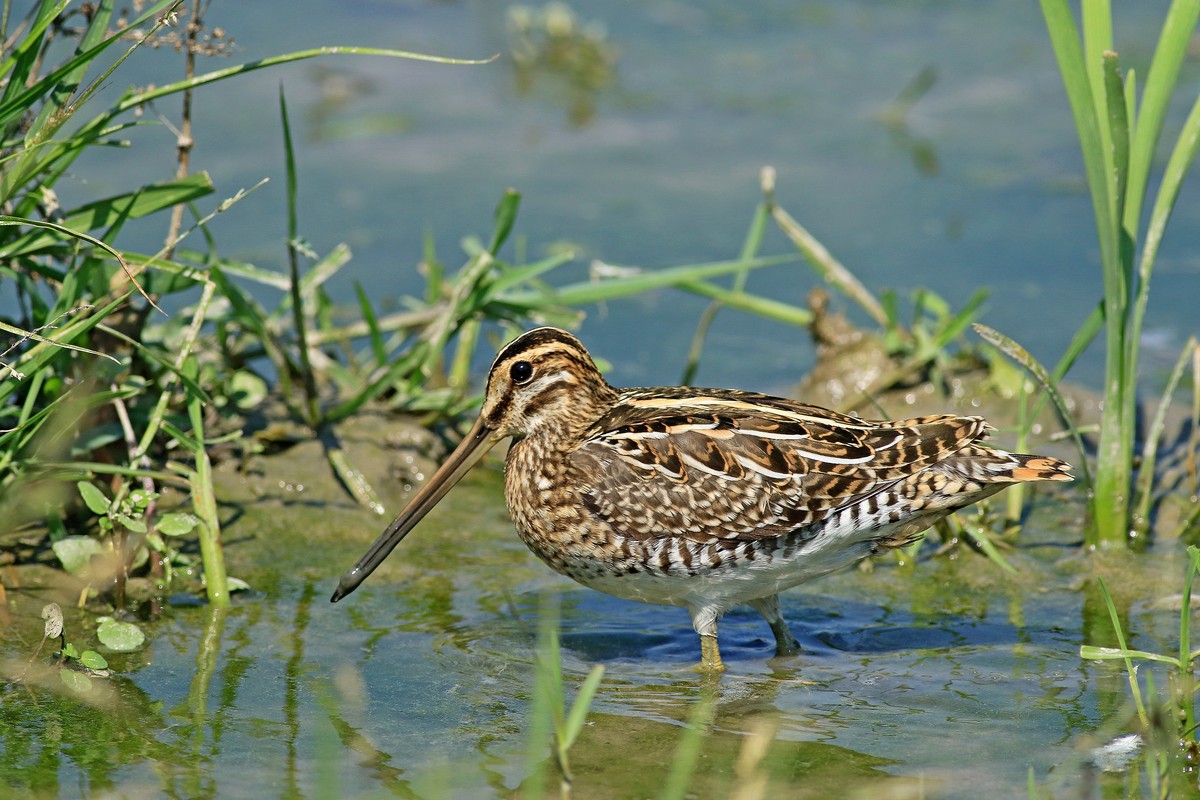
704	498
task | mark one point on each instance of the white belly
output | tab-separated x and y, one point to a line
736	582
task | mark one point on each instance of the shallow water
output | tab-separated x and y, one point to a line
947	678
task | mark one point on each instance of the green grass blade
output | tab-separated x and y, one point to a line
135	99
1130	671
156	357
184	364
1022	356
239	269
582	704
1083	337
1093	653
687	752
1131	95
17	67
984	542
458	376
253	318
750	248
76	470
1193	469
92	37
54	115
352	478
65	231
406	365
1118	128
311	413
372	322
1183	155
212	555
506	216
1184	677
103	213
1064	37
24	335
1160	83
38	356
826	265
752	244
635	282
1097	39
1080	341
959	322
1145	482
319	274
33	417
515	276
751	303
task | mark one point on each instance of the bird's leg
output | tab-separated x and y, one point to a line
710	654
704	620
785	643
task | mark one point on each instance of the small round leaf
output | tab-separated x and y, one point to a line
248	390
75	552
76	681
122	637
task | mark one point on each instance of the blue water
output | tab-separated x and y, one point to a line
982	187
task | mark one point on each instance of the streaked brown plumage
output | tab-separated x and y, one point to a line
705	498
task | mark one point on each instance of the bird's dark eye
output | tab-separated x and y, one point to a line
521	372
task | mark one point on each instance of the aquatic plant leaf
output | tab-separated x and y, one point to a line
53	616
75	552
93	498
236	584
122	637
75	681
93	660
248	390
131	523
176	524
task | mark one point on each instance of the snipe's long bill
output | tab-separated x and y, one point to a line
704	498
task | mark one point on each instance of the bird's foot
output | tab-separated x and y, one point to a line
710	656
785	643
787	647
